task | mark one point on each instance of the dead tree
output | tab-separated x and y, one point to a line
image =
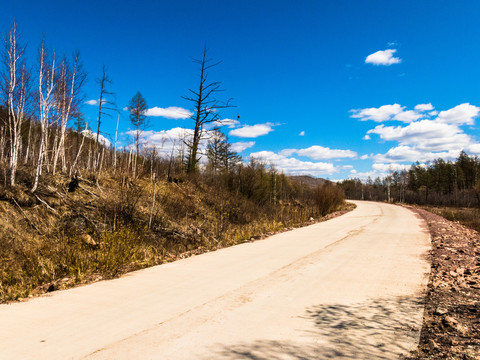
115	145
137	109
105	104
206	108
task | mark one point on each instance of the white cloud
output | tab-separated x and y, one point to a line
460	115
290	165
364	157
95	102
366	137
405	153
167	141
407	116
302	133
383	113
424	107
424	139
171	112
92	135
230	123
317	152
365	175
252	131
383	57
474	149
425	134
287	152
389	113
242	145
385	168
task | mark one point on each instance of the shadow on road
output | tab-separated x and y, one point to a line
379	329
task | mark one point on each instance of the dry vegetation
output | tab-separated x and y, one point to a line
58	238
466	216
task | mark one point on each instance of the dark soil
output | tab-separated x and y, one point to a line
451	323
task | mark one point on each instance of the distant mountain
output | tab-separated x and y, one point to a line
308	181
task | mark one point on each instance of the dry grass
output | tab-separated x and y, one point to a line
469	217
62	239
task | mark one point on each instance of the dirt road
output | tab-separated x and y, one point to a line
348	288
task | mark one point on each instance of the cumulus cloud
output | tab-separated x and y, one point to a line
93	135
381	114
293	166
407	116
383	57
424	107
317	152
425	134
366	137
167	141
385	168
230	123
409	154
242	145
171	112
463	114
287	152
474	149
95	102
252	131
302	133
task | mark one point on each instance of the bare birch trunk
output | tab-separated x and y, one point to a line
46	85
115	147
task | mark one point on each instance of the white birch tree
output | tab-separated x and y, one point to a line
67	96
46	87
15	88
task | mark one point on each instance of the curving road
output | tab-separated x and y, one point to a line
351	287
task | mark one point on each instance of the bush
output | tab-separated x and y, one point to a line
328	197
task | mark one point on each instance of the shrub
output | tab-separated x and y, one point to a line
328	197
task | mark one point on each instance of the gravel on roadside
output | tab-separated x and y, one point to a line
451	323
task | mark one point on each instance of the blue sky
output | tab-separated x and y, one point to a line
329	88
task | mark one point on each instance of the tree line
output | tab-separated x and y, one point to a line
442	183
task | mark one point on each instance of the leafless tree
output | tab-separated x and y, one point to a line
46	87
72	168
206	107
67	97
16	83
115	145
103	104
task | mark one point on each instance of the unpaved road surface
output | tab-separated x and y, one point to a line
351	287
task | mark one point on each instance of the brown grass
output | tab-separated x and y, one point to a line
466	216
101	231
